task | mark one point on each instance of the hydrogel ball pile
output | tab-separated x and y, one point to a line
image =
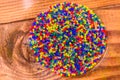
68	39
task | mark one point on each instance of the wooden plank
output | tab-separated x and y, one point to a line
12	10
109	65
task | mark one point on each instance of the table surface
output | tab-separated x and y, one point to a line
16	17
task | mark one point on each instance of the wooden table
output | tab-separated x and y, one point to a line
16	61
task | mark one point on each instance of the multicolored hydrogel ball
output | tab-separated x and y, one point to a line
69	39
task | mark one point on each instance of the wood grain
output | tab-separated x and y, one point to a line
14	10
16	62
